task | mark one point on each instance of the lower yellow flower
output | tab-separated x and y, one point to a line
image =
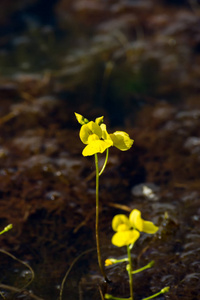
128	229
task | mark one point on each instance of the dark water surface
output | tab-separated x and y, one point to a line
136	63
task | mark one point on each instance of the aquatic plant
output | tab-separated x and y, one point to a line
97	140
127	232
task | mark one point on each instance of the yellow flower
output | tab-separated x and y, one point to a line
128	229
92	135
97	139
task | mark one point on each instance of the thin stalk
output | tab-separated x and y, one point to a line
10	226
108	296
23	263
130	271
164	290
105	162
149	265
97	220
69	270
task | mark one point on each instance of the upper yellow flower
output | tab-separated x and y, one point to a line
92	135
128	229
97	139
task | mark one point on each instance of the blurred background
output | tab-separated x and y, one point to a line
116	55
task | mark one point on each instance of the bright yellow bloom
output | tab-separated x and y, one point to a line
88	130
97	139
92	134
128	229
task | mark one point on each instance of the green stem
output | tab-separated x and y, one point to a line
97	220
6	228
108	296
105	162
149	265
130	271
116	261
164	290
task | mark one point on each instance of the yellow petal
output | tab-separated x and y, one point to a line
89	129
120	220
93	137
125	238
149	227
122	227
99	120
98	146
136	220
140	224
105	134
81	119
121	140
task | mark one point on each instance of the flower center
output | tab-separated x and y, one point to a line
93	137
122	227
